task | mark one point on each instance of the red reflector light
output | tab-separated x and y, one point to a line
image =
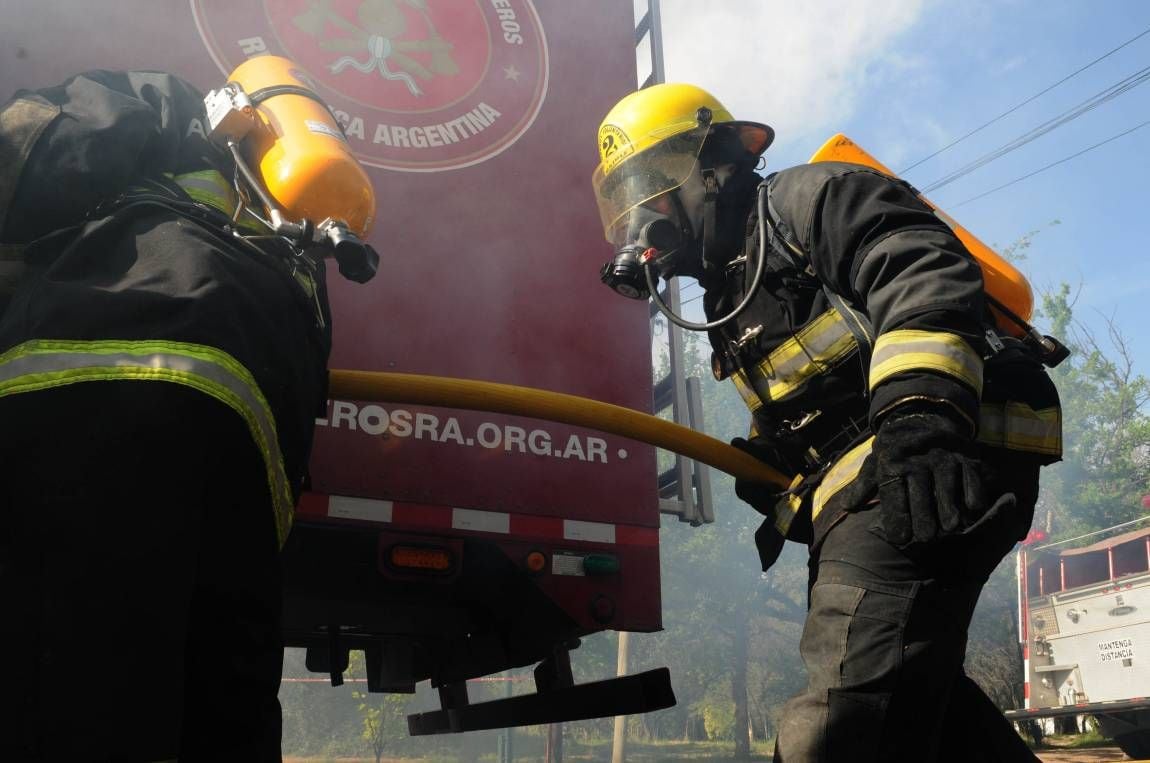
536	561
421	558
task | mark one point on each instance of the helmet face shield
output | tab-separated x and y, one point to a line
644	179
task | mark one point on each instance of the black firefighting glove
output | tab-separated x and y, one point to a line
929	479
762	497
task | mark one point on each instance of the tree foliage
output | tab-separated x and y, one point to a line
1106	426
1098	484
383	715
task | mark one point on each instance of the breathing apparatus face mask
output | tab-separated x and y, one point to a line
651	210
660	232
691	227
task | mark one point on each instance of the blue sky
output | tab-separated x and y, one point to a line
904	78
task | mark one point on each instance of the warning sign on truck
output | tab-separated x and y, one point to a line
1116	649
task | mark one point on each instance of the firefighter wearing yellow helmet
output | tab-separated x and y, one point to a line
647	184
854	325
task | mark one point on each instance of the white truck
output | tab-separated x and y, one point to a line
1084	627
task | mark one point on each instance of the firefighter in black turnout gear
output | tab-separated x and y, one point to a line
163	358
855	326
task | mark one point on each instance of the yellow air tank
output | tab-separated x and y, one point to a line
1003	282
302	155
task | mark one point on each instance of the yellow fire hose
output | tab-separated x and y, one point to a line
467	394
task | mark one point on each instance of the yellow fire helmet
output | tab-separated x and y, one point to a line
650	140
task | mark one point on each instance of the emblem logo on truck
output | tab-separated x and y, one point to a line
418	85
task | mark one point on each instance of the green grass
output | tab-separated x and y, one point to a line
658	752
1075	741
531	749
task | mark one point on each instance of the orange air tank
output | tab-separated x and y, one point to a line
1002	281
300	150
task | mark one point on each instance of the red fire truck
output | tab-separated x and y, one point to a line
1084	622
448	544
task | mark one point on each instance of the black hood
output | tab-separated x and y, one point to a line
733	206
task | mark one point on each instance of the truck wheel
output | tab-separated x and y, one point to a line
1136	744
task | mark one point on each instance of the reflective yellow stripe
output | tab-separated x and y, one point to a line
211	188
750	397
1017	426
815	349
840	475
1012	425
208	187
904	350
43	364
786	511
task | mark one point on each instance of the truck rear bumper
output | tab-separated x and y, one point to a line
1084	708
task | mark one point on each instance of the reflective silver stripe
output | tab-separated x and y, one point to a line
815	349
1017	426
43	364
840	475
904	350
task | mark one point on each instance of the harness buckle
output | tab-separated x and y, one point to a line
802	421
748	336
995	342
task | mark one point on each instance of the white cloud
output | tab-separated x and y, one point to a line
797	65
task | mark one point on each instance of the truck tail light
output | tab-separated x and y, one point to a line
430	559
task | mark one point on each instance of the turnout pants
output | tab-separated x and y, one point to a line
139	578
884	644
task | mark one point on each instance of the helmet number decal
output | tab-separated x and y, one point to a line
614	146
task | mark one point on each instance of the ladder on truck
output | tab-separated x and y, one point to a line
685	487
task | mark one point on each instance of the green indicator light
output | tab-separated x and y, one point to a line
600	564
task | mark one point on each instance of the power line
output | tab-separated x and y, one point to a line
1013	109
1028	175
1018	179
1096	532
698	286
1121	87
1052	164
